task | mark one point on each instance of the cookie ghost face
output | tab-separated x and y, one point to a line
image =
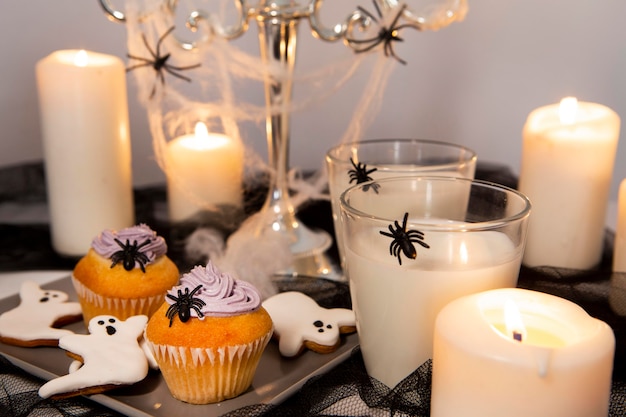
53	296
321	327
110	326
299	321
103	325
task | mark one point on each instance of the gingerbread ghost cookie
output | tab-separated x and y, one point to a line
299	323
108	357
35	321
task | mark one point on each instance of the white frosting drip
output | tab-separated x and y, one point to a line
111	355
38	310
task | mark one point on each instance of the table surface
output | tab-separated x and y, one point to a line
345	390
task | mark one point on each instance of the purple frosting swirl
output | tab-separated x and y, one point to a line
222	294
105	243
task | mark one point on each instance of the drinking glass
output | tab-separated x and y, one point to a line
351	163
412	245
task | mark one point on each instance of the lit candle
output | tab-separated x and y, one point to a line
555	361
567	164
205	171
619	251
86	144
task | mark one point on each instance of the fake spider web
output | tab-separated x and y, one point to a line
226	90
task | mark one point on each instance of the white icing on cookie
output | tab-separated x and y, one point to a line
33	318
111	355
298	319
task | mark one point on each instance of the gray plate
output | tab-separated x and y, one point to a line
275	380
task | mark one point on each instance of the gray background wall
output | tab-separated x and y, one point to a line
472	83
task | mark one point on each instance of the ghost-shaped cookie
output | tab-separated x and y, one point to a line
299	323
110	356
35	321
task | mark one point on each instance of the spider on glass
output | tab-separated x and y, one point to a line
129	254
386	35
403	240
361	174
159	62
183	304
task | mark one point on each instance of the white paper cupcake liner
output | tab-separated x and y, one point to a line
127	306
208	375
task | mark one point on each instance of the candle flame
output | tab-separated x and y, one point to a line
567	110
202	140
201	131
81	59
513	321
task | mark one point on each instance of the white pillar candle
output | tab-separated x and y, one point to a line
567	164
557	361
204	171
86	144
619	250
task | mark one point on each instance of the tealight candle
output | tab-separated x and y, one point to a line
204	171
86	144
552	360
567	164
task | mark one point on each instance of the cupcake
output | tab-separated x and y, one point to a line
209	335
125	273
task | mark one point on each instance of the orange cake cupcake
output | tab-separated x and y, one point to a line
209	335
125	273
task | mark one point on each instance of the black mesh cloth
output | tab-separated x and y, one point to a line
345	390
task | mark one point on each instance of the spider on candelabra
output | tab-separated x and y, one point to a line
386	35
159	62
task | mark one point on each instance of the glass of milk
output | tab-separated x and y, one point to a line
352	163
413	244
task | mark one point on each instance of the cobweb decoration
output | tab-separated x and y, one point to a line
226	89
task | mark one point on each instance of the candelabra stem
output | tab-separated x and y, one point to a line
278	46
278	39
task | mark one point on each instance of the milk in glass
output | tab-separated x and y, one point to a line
396	305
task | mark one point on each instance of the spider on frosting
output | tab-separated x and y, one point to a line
183	304
129	254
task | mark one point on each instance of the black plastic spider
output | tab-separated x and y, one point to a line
183	305
361	174
159	62
386	35
403	240
129	254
